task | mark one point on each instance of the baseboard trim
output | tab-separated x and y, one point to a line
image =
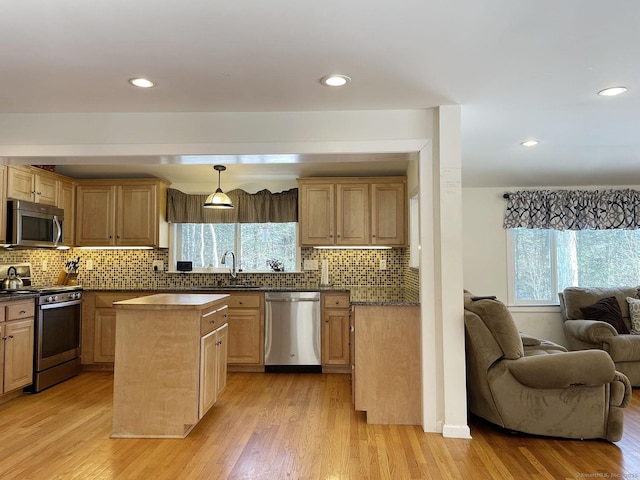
456	431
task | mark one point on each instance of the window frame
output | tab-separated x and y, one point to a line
556	283
175	241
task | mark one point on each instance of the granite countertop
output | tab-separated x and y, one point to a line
360	295
5	297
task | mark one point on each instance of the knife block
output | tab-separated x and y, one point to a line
62	278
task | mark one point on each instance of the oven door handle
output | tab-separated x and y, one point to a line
59	305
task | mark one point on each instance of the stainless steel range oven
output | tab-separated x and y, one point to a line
58	320
57	336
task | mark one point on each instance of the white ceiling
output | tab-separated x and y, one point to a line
519	69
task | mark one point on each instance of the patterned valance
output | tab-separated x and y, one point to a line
261	207
573	209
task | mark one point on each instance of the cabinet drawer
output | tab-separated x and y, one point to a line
335	300
248	300
213	318
19	310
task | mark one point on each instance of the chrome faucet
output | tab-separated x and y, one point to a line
234	272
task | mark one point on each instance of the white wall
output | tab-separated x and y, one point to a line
485	261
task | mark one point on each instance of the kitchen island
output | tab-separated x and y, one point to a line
170	363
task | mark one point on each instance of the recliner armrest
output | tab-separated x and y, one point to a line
563	370
590	331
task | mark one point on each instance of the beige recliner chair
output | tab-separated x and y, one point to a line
539	388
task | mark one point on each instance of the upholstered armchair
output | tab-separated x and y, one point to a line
539	389
605	319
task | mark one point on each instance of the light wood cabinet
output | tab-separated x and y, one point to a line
168	370
32	184
352	218
213	367
16	347
335	333
387	378
67	202
126	212
388	214
316	218
99	327
246	331
353	211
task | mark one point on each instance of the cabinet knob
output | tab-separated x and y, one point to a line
4	338
337	302
22	312
212	321
374	236
10	336
240	303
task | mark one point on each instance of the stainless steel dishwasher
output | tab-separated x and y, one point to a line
292	332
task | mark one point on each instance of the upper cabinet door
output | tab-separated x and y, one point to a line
95	215
46	189
352	205
20	183
137	215
316	214
388	214
67	201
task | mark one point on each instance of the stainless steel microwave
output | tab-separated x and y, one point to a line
34	225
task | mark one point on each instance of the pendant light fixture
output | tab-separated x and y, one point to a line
218	199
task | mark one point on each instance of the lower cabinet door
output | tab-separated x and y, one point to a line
18	365
222	335
208	373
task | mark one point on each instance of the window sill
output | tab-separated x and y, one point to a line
534	308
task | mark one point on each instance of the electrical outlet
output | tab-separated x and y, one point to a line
310	265
158	266
383	264
45	264
89	264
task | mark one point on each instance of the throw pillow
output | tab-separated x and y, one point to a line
634	314
606	310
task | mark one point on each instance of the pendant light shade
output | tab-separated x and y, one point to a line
218	199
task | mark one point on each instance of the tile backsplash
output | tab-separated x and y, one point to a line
132	269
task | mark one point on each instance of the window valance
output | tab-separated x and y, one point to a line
260	207
573	209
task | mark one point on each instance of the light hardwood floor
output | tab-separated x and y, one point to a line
282	426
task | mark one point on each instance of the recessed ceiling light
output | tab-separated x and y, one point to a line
530	143
335	80
612	91
141	82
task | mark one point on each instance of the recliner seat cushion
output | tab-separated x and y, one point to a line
498	320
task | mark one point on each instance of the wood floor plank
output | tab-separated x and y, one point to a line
283	426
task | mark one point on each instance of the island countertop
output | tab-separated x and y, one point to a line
171	301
